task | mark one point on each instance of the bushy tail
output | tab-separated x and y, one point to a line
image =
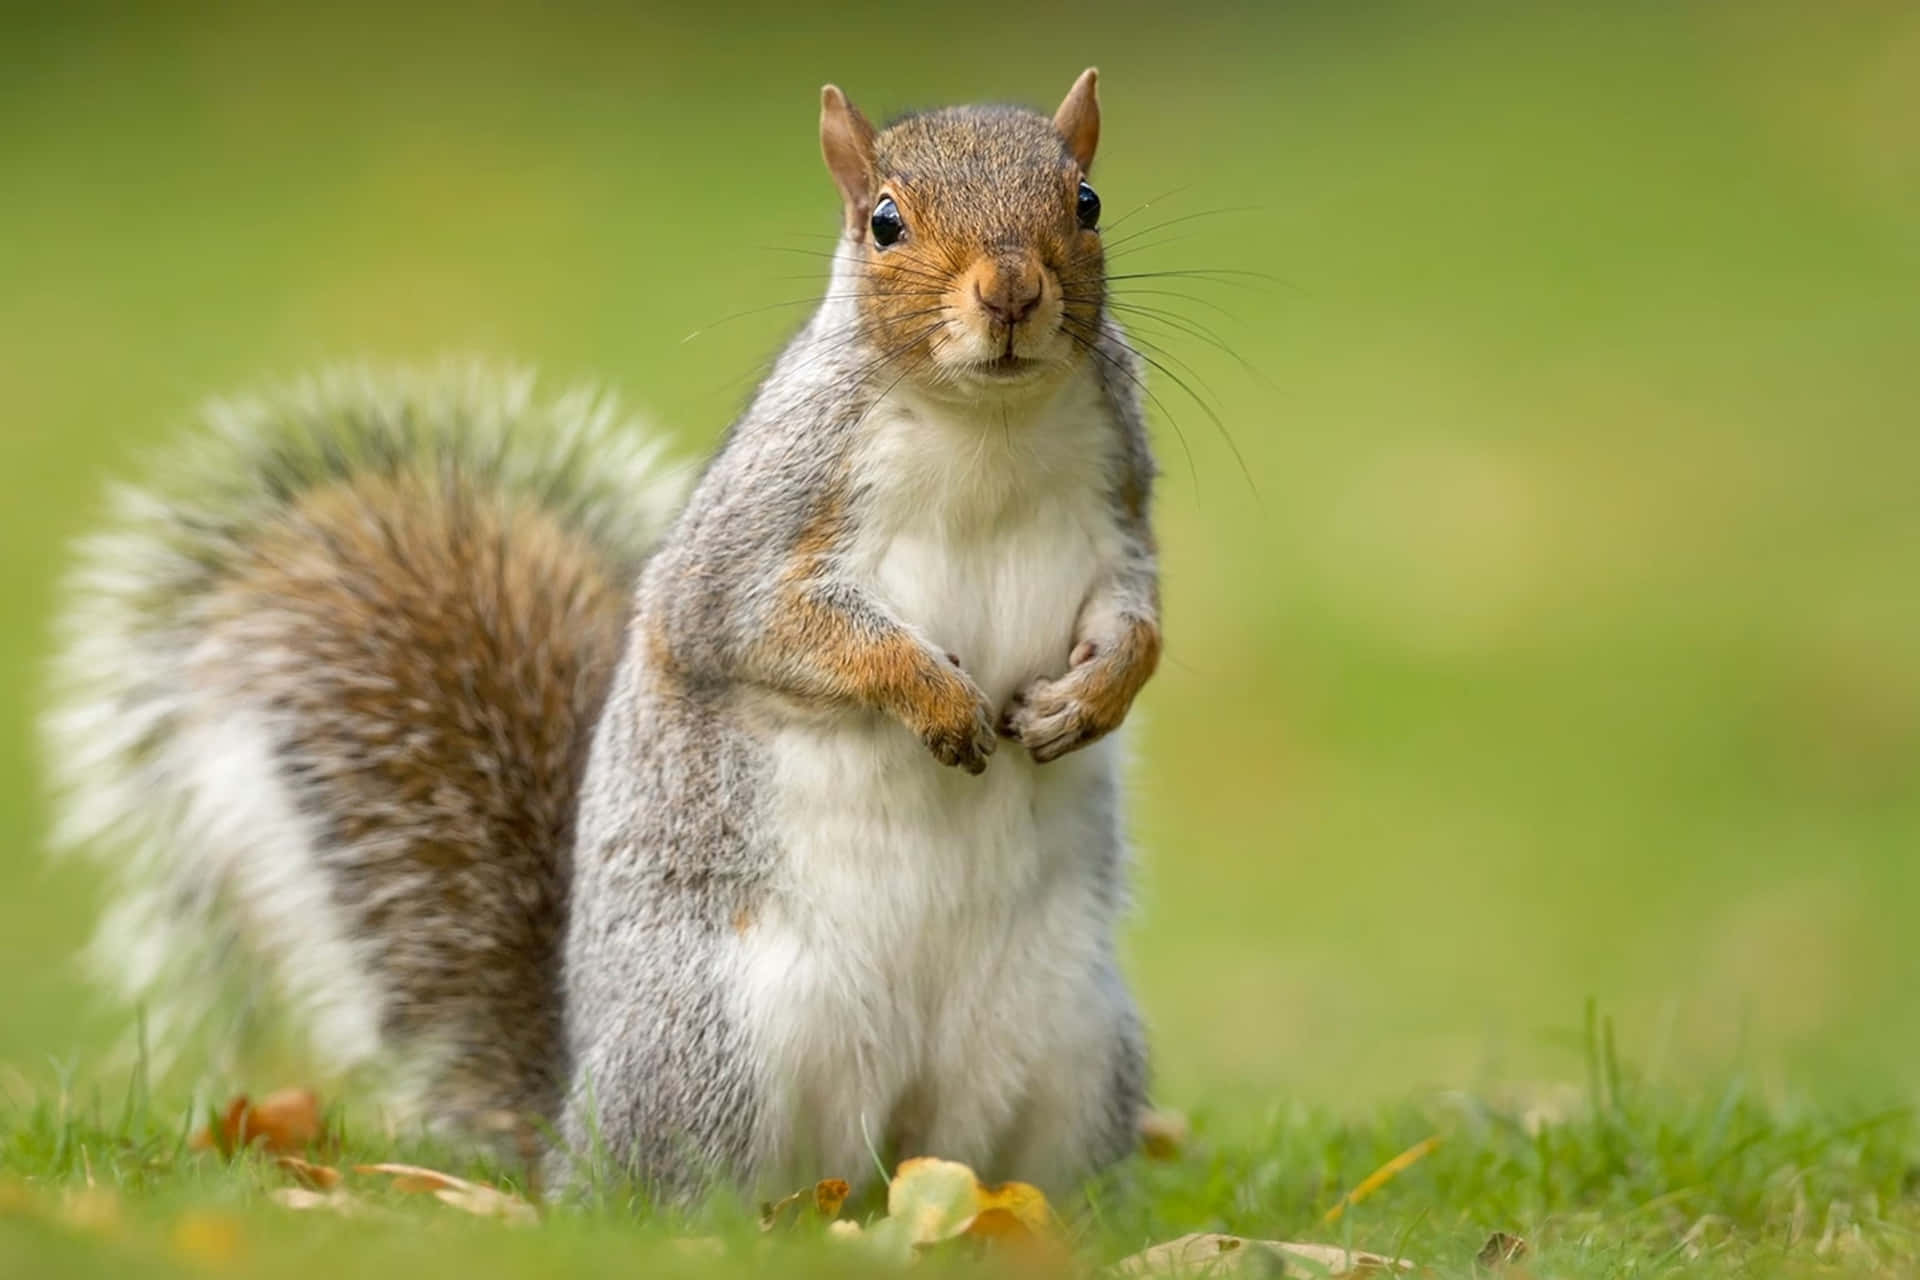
322	696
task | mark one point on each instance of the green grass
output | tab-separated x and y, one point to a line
1620	1178
1559	639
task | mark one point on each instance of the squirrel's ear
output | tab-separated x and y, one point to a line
1078	119
846	140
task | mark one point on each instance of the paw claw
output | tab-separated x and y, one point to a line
965	733
1049	719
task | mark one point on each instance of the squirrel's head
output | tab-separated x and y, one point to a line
975	236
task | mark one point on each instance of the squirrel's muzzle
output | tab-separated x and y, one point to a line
1009	289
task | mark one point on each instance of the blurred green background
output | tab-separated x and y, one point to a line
1561	640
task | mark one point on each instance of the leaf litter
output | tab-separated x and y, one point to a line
932	1204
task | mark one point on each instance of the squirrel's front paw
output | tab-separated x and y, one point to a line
957	721
1052	717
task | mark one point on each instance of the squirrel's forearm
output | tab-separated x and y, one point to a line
831	640
1116	647
822	640
1118	637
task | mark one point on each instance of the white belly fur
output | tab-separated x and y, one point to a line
932	935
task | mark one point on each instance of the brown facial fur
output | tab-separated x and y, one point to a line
988	198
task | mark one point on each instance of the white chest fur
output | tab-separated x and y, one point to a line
926	925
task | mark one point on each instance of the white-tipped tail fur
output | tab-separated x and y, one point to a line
219	898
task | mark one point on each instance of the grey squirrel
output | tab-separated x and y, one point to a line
733	839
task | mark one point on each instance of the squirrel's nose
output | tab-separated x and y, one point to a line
1011	294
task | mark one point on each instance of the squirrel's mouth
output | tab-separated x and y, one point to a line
1006	366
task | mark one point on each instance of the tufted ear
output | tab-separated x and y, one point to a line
846	140
1078	119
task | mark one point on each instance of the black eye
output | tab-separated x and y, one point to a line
887	224
1087	205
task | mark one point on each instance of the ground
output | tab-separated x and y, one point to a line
1619	1178
1546	633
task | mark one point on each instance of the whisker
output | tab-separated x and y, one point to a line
1211	275
1194	298
798	302
924	360
1219	425
830	343
1185	217
1130	251
870	269
1186	325
1144	204
1072	329
865	278
1189	327
1134	339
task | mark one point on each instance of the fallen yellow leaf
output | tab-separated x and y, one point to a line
1024	1203
826	1196
415	1178
829	1195
1382	1176
1209	1255
932	1200
300	1198
489	1202
476	1198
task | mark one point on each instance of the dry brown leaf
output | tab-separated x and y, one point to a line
1500	1249
415	1178
825	1197
283	1122
829	1196
476	1198
483	1201
1206	1255
776	1213
314	1177
1332	1260
1163	1134
339	1200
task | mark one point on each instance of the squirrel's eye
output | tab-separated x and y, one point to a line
887	223
1087	205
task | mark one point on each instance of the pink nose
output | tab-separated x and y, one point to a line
1011	295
